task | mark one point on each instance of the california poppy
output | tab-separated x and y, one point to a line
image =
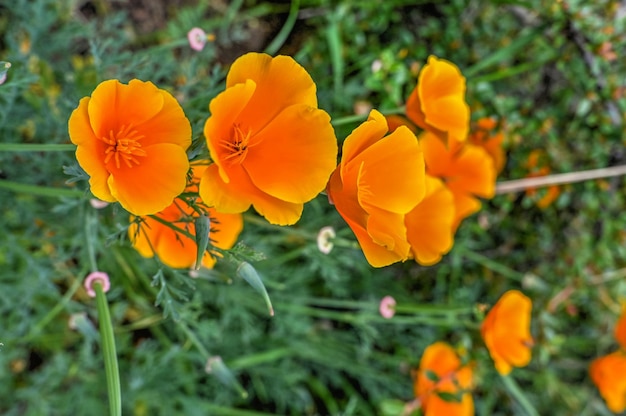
271	146
132	141
437	104
379	180
442	382
607	373
177	250
484	134
506	331
467	171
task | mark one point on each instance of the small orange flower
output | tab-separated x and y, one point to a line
430	224
442	372
467	171
506	331
607	373
437	104
482	135
620	329
379	180
537	165
271	146
132	141
177	250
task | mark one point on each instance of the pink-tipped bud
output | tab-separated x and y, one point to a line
387	307
98	204
197	38
97	277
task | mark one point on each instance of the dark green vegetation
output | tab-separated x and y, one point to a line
542	68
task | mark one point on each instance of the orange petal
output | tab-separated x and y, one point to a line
430	224
218	129
620	328
392	173
152	185
473	172
294	155
607	373
170	125
364	136
114	105
281	82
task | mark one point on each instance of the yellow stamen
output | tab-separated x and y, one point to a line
123	144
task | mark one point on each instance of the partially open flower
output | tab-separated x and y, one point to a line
467	171
132	141
442	383
607	373
197	38
272	147
379	180
387	307
175	249
437	104
97	277
506	331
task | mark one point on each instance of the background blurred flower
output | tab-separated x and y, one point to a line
132	141
483	134
537	164
466	170
178	250
197	38
96	277
607	373
506	331
387	307
437	104
324	237
379	180
272	147
442	373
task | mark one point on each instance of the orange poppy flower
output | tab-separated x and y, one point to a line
437	104
482	135
441	372
430	224
620	329
177	250
607	373
506	331
379	180
271	146
132	141
467	171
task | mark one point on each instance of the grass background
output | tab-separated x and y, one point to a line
544	68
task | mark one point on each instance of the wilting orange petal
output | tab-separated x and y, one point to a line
150	186
607	373
430	224
296	86
285	146
506	331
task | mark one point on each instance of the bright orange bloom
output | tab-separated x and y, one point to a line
132	141
430	224
607	373
271	146
467	171
178	250
379	180
437	104
620	329
506	331
441	371
482	135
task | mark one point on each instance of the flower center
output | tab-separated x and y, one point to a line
237	146
123	145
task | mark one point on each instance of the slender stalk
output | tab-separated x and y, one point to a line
40	190
36	147
108	350
519	185
517	393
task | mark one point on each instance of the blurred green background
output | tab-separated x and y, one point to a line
550	71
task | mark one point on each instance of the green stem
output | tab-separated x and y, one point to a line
36	147
280	39
107	339
517	393
40	190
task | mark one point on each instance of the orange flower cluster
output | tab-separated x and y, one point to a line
272	148
443	382
607	372
506	331
538	166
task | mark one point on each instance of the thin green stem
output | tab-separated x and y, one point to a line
517	393
107	338
282	36
40	190
36	147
